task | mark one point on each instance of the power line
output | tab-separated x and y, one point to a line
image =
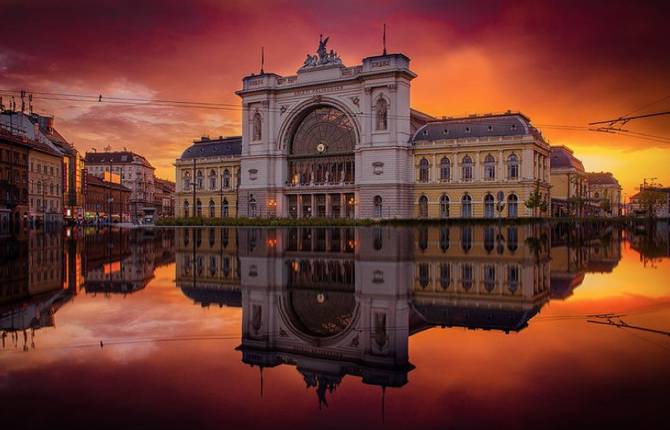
624	119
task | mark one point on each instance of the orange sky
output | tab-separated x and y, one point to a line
561	63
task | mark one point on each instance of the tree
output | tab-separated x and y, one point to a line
536	200
650	200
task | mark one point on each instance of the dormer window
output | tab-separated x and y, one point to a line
467	129
446	132
490	128
425	132
513	126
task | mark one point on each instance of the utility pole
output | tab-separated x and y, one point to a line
194	185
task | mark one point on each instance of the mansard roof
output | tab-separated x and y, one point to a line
489	125
118	157
563	157
206	147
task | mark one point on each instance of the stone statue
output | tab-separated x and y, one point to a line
323	56
323	53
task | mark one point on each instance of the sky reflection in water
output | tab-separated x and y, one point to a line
463	326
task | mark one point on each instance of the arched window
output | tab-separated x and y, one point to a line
444	238
424	170
199	179
39	186
445	170
423	207
381	111
423	238
489	206
187	181
212	180
466	206
445	275
198	208
512	206
466	169
512	238
489	277
378	242
226	179
378	207
513	278
212	209
257	133
252	207
224	208
489	168
444	206
466	276
424	275
186	214
466	238
489	239
513	167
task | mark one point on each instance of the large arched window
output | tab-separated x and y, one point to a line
212	209
186	214
381	114
212	179
187	181
199	179
466	206
226	179
512	206
424	170
489	206
323	130
423	207
444	206
513	167
445	169
257	126
224	208
378	207
198	208
466	169
489	168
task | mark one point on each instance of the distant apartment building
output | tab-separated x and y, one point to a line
164	197
136	173
45	188
13	179
106	199
208	175
604	194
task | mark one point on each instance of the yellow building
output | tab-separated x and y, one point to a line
479	167
207	177
604	193
569	190
45	179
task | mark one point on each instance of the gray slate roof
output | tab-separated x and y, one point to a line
223	146
512	124
562	157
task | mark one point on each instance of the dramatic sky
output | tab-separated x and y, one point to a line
562	63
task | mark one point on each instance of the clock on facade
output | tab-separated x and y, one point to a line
321	147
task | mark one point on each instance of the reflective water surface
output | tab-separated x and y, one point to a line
524	326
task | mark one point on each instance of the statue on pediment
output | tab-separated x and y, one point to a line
323	57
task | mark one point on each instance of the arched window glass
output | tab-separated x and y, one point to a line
256	125
513	278
489	206
489	277
226	179
378	207
512	206
199	179
187	181
444	206
466	238
381	112
198	208
445	275
444	238
489	168
512	238
424	170
466	206
424	275
212	209
212	180
466	276
466	173
423	207
489	239
224	208
445	169
186	214
513	167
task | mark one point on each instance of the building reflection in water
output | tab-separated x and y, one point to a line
343	301
42	271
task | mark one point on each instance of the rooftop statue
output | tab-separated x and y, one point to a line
323	57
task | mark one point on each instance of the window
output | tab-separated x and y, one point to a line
212	180
489	277
226	179
466	276
198	208
186	215
199	179
489	239
381	113
424	170
513	278
378	207
423	207
512	206
466	206
444	238
224	208
444	206
252	207
256	124
512	238
513	167
445	275
488	206
489	168
445	170
466	238
424	275
466	173
212	209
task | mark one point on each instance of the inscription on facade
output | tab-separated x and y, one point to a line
256	82
381	63
317	90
